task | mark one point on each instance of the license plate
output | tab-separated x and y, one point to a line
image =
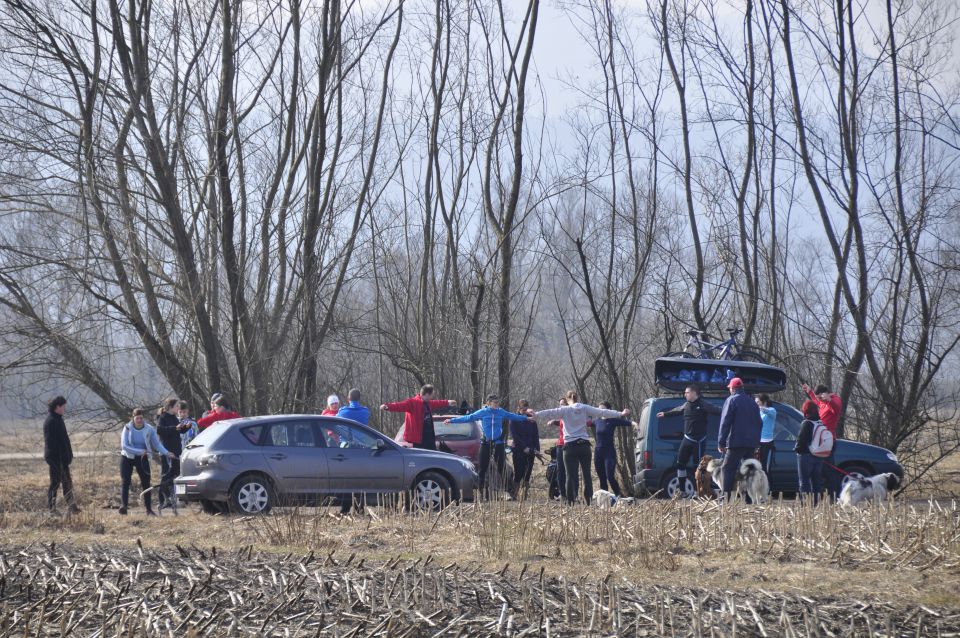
181	489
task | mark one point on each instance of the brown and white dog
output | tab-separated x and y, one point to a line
704	478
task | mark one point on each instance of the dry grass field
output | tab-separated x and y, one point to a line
494	568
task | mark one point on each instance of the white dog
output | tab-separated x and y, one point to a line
750	479
605	499
859	489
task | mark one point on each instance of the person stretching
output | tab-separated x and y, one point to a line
695	415
491	418
576	445
605	454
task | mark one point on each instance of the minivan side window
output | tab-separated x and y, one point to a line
787	426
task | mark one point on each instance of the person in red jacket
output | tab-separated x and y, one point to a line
333	406
418	422
830	407
220	412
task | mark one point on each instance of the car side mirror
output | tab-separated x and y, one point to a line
379	446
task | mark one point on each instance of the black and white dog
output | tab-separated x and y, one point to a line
750	478
859	489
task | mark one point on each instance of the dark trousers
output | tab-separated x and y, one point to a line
127	466
488	449
809	469
561	473
576	458
60	475
428	441
689	451
832	479
765	455
169	470
731	465
522	468
605	463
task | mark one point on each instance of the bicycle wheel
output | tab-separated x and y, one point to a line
750	355
680	355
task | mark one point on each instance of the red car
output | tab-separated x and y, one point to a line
463	439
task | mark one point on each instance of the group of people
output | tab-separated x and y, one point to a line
747	429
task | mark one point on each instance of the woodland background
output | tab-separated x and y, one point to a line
280	199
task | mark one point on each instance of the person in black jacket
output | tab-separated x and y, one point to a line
695	412
739	438
526	447
168	430
809	467
58	453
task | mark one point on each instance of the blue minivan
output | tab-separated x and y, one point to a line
659	439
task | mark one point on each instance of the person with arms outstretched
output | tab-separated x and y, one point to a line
491	418
418	420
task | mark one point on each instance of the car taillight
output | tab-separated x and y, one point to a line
647	460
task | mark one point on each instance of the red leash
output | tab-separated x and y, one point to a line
830	465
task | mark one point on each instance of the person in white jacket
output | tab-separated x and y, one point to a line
577	455
138	441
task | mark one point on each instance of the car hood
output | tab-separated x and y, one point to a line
429	454
845	445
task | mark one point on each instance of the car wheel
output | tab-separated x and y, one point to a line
681	355
431	492
750	355
251	494
671	487
212	507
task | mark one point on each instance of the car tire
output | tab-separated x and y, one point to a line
680	355
669	487
212	507
750	356
431	492
252	494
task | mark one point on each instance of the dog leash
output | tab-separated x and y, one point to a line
832	466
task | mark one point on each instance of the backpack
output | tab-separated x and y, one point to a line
821	440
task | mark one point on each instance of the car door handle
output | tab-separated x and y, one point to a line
278	457
339	457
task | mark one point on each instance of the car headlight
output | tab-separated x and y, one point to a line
208	460
892	456
468	465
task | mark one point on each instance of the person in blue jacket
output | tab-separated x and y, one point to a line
768	414
740	426
138	442
353	410
605	453
491	418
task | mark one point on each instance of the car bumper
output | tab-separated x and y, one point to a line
643	481
203	486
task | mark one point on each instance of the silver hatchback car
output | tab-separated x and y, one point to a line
252	464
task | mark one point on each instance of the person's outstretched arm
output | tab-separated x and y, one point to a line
710	408
547	415
466	418
397	406
601	413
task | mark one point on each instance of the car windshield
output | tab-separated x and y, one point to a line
462	431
